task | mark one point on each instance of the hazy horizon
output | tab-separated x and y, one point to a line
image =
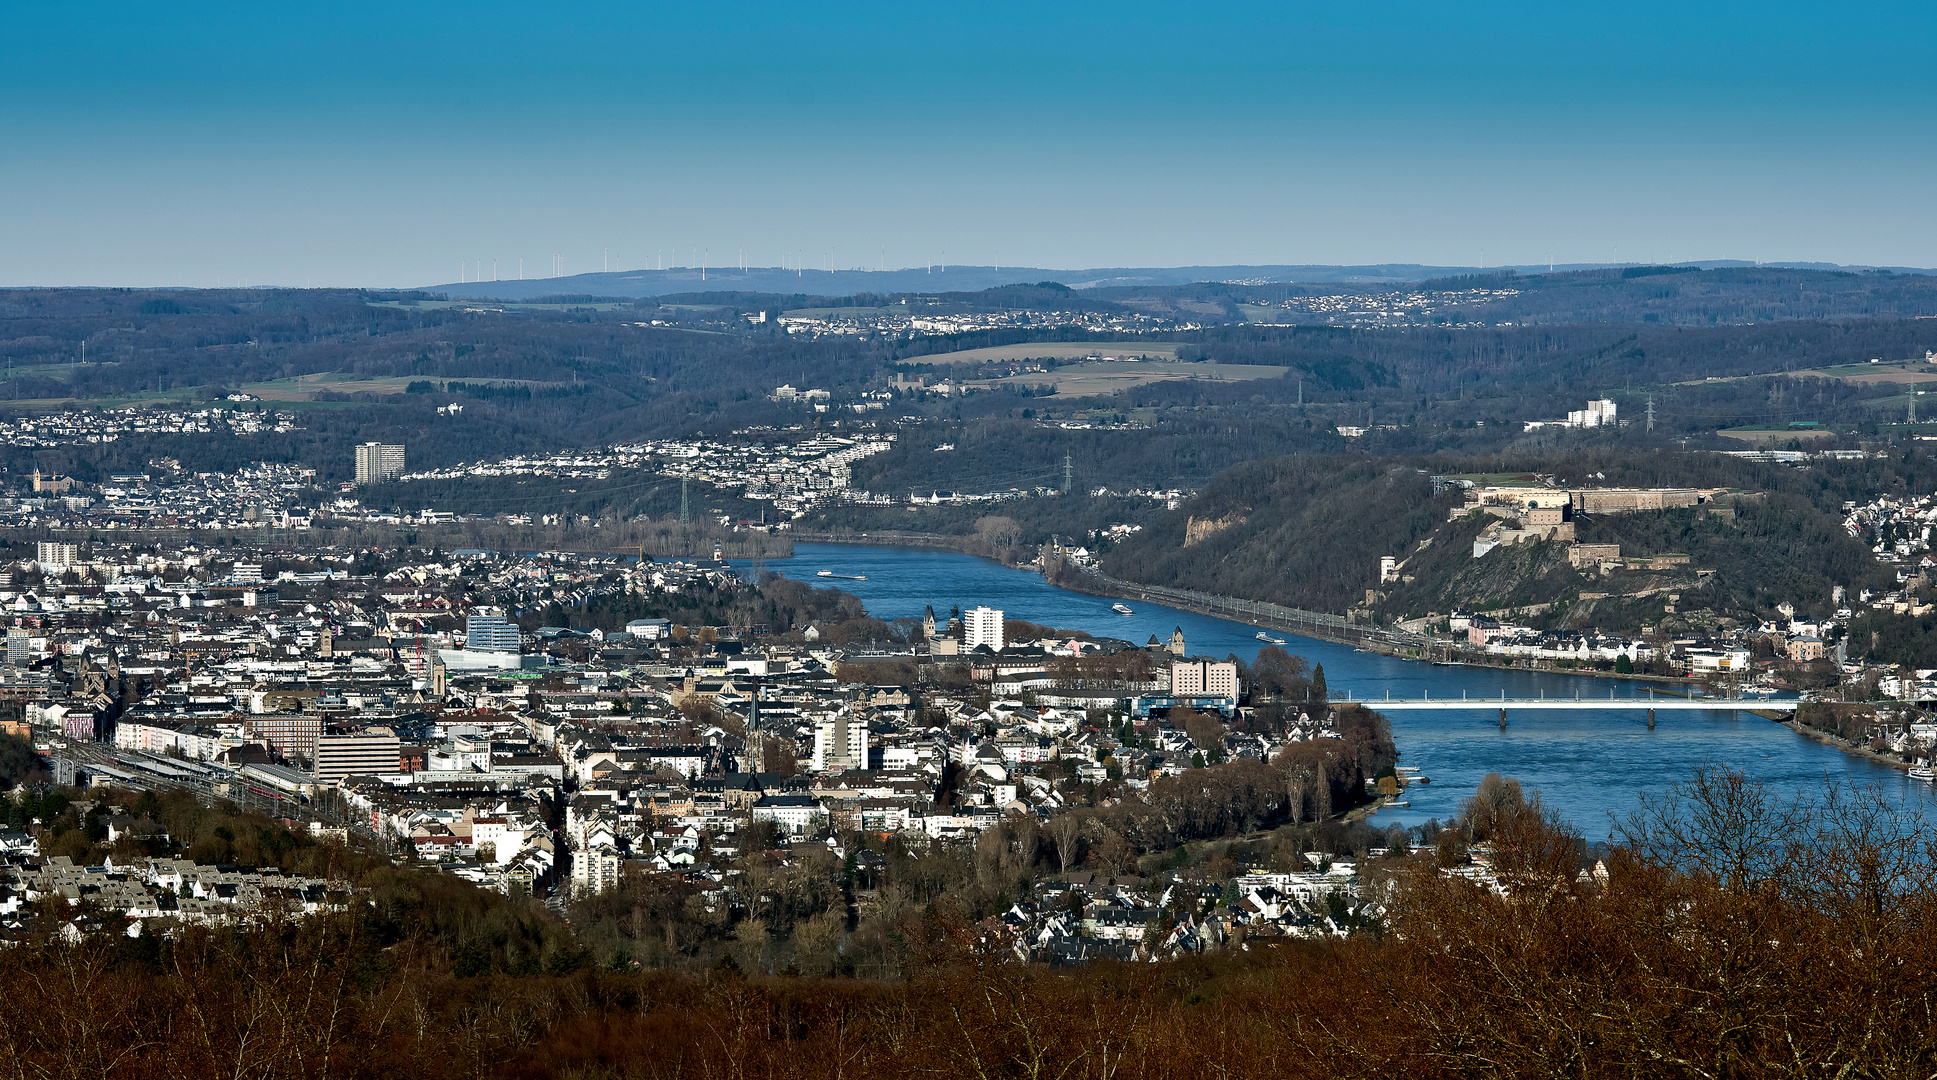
230	144
950	278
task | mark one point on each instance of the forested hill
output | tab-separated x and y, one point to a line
1669	295
358	366
575	371
1722	278
1688	296
927	279
1295	530
1309	531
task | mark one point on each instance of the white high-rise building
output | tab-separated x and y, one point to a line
983	626
56	557
1597	414
840	742
377	462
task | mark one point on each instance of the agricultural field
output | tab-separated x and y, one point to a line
1881	373
306	387
1053	350
1775	437
487	306
1904	371
1098	379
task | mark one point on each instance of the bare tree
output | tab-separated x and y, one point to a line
998	532
1065	835
1298	784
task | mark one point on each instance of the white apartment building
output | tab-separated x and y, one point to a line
983	626
840	742
56	558
595	869
1203	678
1597	414
504	836
795	814
377	462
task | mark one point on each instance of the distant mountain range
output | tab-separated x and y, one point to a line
641	283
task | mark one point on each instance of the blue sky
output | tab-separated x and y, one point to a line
349	143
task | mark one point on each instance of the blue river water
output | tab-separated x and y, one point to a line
1590	765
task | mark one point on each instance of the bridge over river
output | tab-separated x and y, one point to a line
1650	703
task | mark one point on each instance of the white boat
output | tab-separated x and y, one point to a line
1262	636
823	573
1923	772
1277	641
1122	609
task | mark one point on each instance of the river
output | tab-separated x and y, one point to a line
1591	766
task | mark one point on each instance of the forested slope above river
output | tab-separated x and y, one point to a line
1309	531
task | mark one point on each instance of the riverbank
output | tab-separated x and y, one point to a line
1315	625
929	541
1318	625
1849	748
1587	764
1667	680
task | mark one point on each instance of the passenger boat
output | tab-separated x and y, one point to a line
1121	609
1923	772
1262	636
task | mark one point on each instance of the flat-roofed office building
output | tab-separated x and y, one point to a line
370	752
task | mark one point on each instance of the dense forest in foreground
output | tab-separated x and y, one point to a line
1725	932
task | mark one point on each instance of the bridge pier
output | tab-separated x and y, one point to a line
1503	719
1651	719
